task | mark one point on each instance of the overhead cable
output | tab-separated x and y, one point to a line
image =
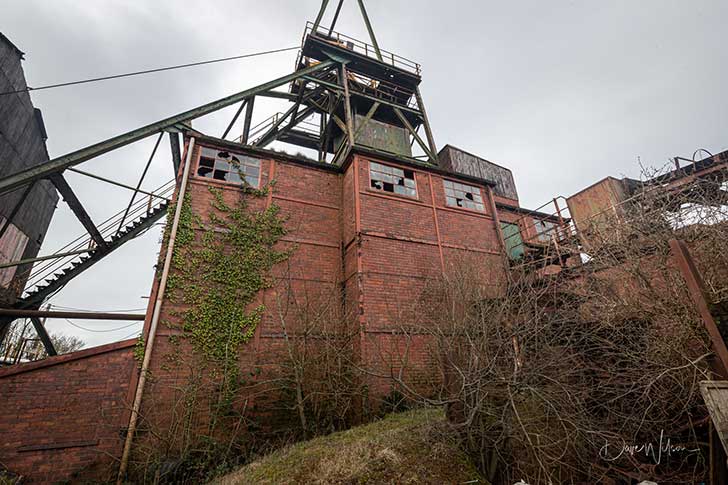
148	71
101	331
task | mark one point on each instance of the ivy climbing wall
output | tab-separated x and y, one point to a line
252	269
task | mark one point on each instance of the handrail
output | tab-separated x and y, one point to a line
262	127
676	219
361	47
107	228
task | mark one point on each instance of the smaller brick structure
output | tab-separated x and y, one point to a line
66	414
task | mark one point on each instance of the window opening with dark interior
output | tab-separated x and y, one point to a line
463	195
229	167
392	179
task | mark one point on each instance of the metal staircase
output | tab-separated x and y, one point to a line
49	277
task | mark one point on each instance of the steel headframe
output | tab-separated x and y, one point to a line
330	94
325	90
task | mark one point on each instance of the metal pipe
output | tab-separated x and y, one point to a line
18	313
155	318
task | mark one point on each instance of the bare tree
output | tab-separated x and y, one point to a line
583	376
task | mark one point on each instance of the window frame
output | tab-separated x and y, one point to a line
416	196
519	247
457	207
227	182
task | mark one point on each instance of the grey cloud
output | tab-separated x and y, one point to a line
562	92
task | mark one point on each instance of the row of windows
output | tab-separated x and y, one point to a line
236	168
401	181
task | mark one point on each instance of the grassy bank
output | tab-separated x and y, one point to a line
401	448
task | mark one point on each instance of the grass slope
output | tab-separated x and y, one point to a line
401	448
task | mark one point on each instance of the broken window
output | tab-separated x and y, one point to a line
544	229
463	195
392	179
513	241
229	167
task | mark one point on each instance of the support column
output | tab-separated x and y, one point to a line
696	287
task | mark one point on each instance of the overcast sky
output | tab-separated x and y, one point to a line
562	92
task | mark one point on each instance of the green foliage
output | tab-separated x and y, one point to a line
409	447
139	348
221	261
7	478
219	266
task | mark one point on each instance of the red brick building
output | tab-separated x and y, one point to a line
381	227
375	226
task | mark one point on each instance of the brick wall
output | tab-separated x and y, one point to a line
404	244
381	249
63	416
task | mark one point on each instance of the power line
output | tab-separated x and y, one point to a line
131	335
100	331
127	310
148	71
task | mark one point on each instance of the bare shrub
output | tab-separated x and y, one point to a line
549	380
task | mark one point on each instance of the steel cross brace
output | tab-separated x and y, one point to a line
59	164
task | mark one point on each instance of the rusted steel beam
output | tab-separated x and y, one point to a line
44	170
366	119
336	16
272	134
44	337
139	184
339	89
118	184
343	79
246	122
70	197
320	15
20	313
176	152
235	118
365	16
413	132
425	121
696	288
